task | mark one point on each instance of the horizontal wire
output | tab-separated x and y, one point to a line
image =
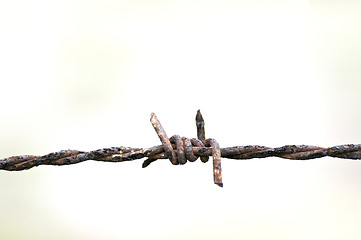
121	154
180	149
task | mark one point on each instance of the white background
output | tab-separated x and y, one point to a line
87	74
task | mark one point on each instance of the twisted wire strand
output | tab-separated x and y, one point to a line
121	154
179	150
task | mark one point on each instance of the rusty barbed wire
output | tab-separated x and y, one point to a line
180	149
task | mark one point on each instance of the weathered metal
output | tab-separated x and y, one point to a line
180	149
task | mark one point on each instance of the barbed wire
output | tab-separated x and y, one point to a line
179	150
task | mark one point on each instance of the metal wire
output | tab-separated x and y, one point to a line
180	149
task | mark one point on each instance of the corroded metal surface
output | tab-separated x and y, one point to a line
163	138
180	149
201	134
216	155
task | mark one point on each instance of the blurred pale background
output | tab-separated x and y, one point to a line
87	74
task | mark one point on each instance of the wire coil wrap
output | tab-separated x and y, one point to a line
179	150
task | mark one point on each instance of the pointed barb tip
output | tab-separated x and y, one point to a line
219	184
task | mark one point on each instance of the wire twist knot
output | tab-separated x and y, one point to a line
180	149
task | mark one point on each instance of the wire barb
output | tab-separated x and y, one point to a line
180	149
201	132
184	147
163	138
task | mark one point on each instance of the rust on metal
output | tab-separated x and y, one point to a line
201	134
179	150
163	138
216	155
